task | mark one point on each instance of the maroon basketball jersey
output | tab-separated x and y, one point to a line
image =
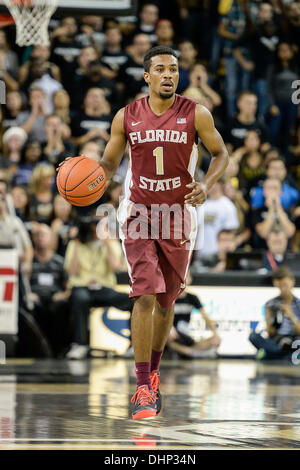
162	151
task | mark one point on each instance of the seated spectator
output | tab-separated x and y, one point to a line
40	77
33	121
13	142
20	200
12	109
13	234
245	120
93	150
41	194
61	102
217	261
181	337
271	215
199	79
93	123
289	197
131	73
8	64
282	319
91	263
57	148
277	243
187	59
283	111
197	95
243	233
38	52
87	55
48	284
63	223
219	213
113	55
251	162
31	155
113	192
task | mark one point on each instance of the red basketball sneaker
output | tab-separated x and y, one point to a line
155	383
144	403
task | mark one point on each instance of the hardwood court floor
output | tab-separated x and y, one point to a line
217	404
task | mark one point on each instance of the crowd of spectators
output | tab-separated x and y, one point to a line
238	58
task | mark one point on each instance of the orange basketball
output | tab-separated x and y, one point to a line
81	181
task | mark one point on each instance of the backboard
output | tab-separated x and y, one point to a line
92	7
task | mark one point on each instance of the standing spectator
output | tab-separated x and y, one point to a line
65	50
95	78
113	55
237	79
41	193
40	77
283	112
48	285
33	121
95	120
147	22
131	74
187	58
282	319
43	53
271	215
91	32
219	213
260	39
8	64
277	243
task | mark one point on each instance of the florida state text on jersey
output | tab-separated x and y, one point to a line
162	151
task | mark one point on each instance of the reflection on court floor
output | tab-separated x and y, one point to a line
220	404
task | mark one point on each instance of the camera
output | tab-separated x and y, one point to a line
277	316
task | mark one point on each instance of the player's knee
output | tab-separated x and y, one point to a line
145	302
163	310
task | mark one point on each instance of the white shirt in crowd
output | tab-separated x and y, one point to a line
219	214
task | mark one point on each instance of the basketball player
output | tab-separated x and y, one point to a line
161	131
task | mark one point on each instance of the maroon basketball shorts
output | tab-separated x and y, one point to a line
158	244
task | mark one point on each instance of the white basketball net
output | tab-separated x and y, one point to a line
32	19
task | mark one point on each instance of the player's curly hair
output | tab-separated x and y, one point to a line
157	50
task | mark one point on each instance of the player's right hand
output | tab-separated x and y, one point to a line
65	160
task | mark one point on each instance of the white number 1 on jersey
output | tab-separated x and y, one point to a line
158	152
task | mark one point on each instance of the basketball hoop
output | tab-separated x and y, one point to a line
32	19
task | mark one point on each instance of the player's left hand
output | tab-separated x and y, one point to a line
198	195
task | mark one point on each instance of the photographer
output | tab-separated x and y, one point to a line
91	262
282	319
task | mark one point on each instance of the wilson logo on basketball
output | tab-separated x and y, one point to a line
95	183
